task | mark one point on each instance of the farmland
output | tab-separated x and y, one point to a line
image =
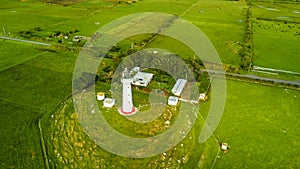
26	52
33	82
40	127
258	134
276	36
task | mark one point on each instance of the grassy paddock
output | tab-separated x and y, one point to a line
19	137
33	87
223	27
276	45
14	53
57	61
277	11
262	129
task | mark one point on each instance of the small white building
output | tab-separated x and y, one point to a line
142	78
100	96
224	147
109	102
173	101
178	87
202	97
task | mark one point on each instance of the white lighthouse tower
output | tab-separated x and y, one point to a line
127	105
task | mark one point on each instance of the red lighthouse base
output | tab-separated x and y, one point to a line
132	112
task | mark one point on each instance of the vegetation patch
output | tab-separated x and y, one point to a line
69	146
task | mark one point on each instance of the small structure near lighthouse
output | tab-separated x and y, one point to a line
100	96
127	108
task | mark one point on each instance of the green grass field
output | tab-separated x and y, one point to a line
276	45
33	81
261	131
10	56
277	11
227	32
224	28
276	35
34	87
260	123
19	138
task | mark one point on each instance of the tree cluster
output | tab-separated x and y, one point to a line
247	52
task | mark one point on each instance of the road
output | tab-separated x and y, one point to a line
25	41
209	71
254	77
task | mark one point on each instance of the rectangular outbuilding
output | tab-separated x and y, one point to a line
178	87
142	78
173	101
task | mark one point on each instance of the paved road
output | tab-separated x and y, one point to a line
254	77
25	41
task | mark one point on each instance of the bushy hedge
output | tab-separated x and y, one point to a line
247	52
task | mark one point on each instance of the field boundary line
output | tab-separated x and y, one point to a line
276	20
205	124
189	8
53	110
214	137
34	109
216	157
37	55
45	156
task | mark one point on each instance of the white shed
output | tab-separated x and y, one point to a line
202	97
173	101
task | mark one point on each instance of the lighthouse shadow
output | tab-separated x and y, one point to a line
155	108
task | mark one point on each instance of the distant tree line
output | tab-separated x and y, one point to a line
54	36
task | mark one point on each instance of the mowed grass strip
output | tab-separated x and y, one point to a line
19	137
261	126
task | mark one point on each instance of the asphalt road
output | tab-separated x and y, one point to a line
25	41
209	71
255	77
